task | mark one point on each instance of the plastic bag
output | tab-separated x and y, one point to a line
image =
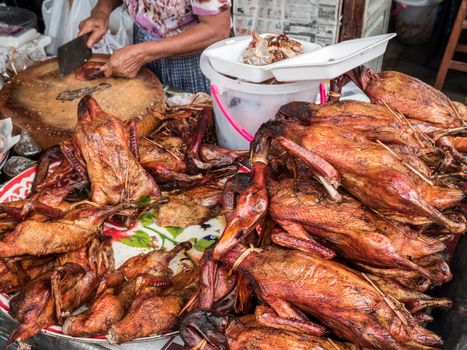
55	14
62	21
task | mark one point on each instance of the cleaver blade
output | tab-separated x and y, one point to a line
73	54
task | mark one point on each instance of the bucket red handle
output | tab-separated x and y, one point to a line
215	93
230	118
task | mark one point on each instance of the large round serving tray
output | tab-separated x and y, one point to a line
142	237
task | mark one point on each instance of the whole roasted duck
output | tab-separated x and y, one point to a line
376	122
119	290
408	95
74	231
154	311
216	331
44	300
290	280
367	170
356	233
107	154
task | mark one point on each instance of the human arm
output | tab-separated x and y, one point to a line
127	61
98	23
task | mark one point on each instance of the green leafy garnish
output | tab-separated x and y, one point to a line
142	202
146	219
174	231
139	240
203	243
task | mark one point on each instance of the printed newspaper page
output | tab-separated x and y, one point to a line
310	20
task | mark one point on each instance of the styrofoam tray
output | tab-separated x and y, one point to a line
225	57
315	63
331	61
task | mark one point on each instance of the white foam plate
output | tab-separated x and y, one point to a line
225	57
315	63
331	61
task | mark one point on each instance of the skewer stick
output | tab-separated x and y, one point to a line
407	165
403	119
458	174
334	344
165	149
456	112
419	133
395	305
451	131
201	345
77	204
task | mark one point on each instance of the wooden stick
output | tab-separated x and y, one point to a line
201	345
389	300
168	150
334	344
407	165
403	119
456	112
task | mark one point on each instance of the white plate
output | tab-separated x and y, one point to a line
331	61
225	57
315	63
126	244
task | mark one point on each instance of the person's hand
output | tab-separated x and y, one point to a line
97	25
126	62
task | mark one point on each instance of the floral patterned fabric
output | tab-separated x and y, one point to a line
164	18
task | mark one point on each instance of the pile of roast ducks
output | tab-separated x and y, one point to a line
333	241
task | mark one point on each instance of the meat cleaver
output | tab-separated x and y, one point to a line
73	54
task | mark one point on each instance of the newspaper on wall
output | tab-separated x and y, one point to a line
309	20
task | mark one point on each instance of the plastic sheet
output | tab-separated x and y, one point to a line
62	21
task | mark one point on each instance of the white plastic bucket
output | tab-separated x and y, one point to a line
250	104
415	20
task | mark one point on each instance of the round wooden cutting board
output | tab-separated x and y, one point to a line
44	103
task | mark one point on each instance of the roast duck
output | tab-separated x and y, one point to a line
334	240
51	248
343	227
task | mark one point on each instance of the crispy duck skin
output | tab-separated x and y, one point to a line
49	202
7	223
15	274
413	279
356	233
334	294
35	266
410	96
413	300
33	307
153	311
77	278
218	157
90	71
153	263
376	122
247	333
41	301
108	308
375	176
74	231
163	158
118	290
12	276
191	207
112	168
